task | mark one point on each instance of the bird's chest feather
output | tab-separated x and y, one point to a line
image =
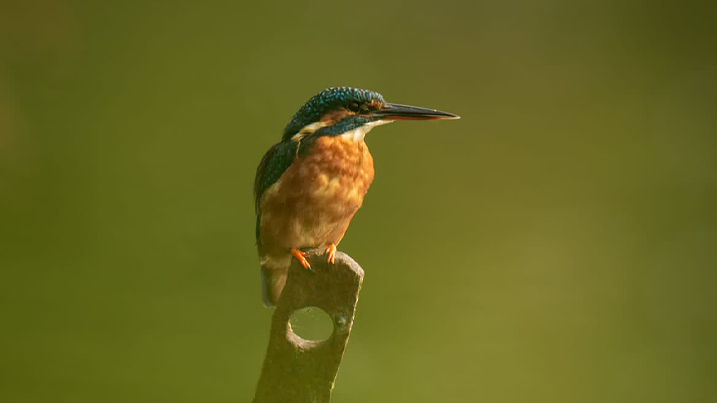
336	171
318	194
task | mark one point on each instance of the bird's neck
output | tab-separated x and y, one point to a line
359	133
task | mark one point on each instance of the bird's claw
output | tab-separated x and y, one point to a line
301	257
330	253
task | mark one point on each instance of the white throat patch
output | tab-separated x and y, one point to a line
359	133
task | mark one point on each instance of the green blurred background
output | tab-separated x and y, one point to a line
556	244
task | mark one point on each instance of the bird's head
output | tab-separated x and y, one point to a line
344	110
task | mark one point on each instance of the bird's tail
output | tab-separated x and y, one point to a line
272	283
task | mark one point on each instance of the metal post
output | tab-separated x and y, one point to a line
303	371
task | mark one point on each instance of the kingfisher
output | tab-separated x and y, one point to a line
309	185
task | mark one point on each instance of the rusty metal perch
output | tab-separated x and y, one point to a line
303	371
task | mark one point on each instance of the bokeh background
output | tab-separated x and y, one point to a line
556	244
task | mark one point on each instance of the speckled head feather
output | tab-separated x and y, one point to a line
328	100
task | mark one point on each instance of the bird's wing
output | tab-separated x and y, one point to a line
272	166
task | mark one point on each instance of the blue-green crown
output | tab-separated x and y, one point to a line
325	101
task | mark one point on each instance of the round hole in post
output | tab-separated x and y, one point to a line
300	370
311	323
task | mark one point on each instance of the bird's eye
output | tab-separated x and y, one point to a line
354	107
364	108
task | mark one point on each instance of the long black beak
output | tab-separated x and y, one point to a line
405	112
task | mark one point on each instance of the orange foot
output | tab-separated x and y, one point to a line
330	253
301	257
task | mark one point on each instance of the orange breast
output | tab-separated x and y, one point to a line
314	200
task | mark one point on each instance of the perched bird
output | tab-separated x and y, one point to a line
309	185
